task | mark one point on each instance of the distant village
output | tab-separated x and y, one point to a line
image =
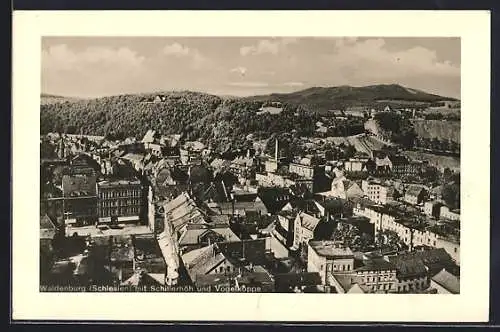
166	214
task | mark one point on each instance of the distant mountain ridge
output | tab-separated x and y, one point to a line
46	98
324	98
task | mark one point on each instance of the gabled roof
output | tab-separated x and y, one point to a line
346	281
142	278
418	262
47	223
202	261
448	281
47	228
408	266
307	221
305	205
182	210
398	160
149	137
192	236
414	190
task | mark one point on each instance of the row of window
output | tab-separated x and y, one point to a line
410	287
335	267
378	279
386	287
107	212
120	203
221	269
121	193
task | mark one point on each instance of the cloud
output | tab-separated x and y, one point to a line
372	59
345	41
61	57
240	70
268	72
293	84
179	50
94	70
267	46
249	84
176	49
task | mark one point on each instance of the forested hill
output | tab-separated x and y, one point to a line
52	99
326	98
127	115
226	123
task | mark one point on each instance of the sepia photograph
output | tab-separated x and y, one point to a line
323	165
263	173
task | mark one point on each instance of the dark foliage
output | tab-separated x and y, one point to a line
400	128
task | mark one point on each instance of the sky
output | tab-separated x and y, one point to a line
100	66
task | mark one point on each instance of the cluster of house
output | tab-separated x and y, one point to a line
344	271
165	212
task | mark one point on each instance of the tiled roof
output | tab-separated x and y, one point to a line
307	221
376	264
202	260
414	190
192	236
182	210
417	262
79	185
408	266
257	205
398	160
447	281
330	249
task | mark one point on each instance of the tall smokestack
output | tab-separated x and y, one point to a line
276	151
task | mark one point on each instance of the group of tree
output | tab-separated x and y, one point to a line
398	126
226	124
352	237
441	116
451	189
436	144
389	239
125	115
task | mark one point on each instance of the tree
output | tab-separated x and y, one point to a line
430	174
435	143
451	195
349	151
